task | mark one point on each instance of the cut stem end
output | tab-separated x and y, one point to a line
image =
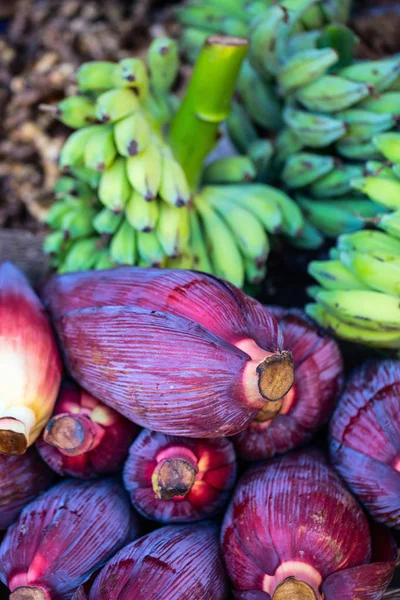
71	434
173	477
13	439
28	593
269	411
293	589
276	375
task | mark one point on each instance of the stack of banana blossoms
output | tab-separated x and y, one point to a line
135	190
305	106
213	377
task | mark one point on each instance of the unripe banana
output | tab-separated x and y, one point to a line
379	169
89	176
331	93
359	150
383	190
369	241
259	98
76	111
114	189
255	272
145	170
333	275
310	237
225	255
315	130
66	186
211	18
163	61
201	260
379	271
132	73
132	134
73	151
359	207
141	214
230	169
371	310
116	104
100	150
378	73
174	187
173	229
261	153
286	144
304	168
192	40
305	67
107	221
240	128
391	223
336	11
378	339
184	261
150	250
78	223
337	182
57	212
329	218
248	232
303	41
265	37
123	245
313	18
103	261
81	256
54	243
96	75
389	145
362	124
387	103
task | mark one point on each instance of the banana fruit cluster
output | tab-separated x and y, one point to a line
124	198
322	109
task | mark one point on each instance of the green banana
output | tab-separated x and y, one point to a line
163	61
145	170
184	261
54	243
358	206
141	214
66	186
377	73
192	40
333	275
383	190
132	73
377	270
337	11
73	151
123	245
212	19
261	153
230	169
116	104
315	130
389	145
259	98
260	200
396	171
313	18
341	39
379	169
255	273
265	39
362	124
328	218
107	221
173	229
302	41
305	67
114	188
201	261
286	144
305	168
240	128
132	134
174	187
378	339
390	223
249	234
59	210
78	223
100	150
387	103
76	111
337	182
224	253
95	75
150	250
331	93
310	238
81	256
369	241
103	261
361	150
371	310
89	176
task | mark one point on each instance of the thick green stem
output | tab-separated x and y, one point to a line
194	129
